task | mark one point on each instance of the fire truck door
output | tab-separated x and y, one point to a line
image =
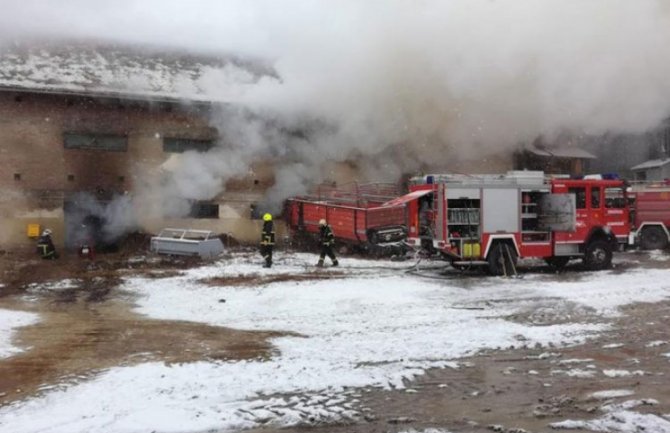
616	212
557	213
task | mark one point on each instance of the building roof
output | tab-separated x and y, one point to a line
120	71
561	152
652	163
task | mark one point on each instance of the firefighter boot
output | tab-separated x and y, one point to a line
320	264
335	262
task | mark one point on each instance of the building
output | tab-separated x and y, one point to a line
558	158
652	170
81	126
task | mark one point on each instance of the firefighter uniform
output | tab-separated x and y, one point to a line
326	241
267	240
45	246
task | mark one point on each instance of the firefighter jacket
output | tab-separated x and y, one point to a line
268	233
45	246
326	236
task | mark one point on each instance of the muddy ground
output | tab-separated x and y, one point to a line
88	325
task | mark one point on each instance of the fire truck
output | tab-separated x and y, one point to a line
650	213
492	220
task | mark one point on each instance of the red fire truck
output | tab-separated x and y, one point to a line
354	212
491	220
650	212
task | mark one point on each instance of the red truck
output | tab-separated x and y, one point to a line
491	220
356	213
650	211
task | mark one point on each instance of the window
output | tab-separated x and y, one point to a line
580	196
615	198
108	142
204	210
595	198
17	176
180	145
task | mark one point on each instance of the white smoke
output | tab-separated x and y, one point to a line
397	85
404	85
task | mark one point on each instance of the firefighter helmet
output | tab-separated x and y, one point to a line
46	232
322	222
267	217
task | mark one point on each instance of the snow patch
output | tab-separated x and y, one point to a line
613	346
612	393
619	418
9	321
656	343
622	373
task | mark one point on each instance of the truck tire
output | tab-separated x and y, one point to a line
598	255
500	262
653	238
557	262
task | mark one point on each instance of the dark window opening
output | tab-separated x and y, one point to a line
180	145
17	176
256	181
204	210
107	142
70	177
122	179
580	197
18	99
254	212
615	198
595	198
69	103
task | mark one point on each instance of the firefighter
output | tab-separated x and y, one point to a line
45	246
326	240
267	240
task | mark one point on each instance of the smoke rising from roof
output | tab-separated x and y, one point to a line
396	86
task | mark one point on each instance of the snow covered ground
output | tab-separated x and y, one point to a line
378	327
9	321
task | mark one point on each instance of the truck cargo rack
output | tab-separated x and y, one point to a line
187	242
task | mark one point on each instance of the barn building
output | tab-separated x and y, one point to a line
90	121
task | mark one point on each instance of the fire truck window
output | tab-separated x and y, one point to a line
595	198
580	196
614	198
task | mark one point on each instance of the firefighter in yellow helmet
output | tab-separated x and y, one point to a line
267	240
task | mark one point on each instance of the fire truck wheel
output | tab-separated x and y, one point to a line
598	255
653	238
500	261
557	262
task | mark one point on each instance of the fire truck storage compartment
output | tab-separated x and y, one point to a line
500	210
532	230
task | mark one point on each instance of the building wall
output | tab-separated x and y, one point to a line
37	172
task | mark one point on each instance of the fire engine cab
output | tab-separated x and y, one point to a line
491	220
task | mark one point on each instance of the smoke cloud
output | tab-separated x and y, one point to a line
393	86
